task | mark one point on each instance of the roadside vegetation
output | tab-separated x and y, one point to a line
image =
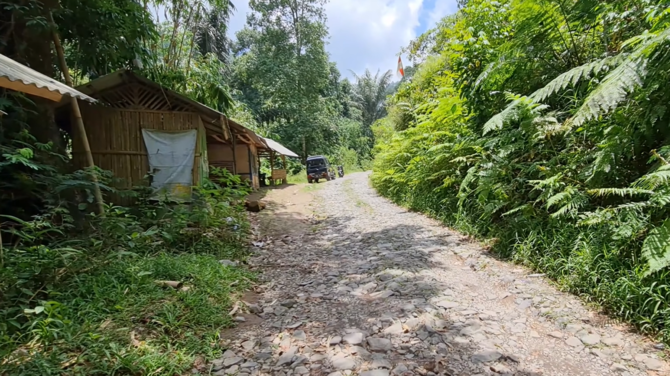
145	289
137	290
542	125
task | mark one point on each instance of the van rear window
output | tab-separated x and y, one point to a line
316	163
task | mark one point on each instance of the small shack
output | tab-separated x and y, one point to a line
140	128
274	150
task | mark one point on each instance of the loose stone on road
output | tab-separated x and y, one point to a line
364	287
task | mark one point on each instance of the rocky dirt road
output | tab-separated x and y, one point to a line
364	287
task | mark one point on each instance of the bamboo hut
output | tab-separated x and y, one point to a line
141	129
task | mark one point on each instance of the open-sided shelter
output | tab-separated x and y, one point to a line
274	150
139	128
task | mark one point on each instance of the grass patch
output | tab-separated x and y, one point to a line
300	178
115	319
93	301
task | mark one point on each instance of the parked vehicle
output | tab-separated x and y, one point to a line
318	167
340	171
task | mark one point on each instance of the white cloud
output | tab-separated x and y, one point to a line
442	8
367	34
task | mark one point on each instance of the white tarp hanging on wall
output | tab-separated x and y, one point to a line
171	157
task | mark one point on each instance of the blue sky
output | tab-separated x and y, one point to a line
368	34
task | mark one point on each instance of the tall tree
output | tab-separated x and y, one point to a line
192	50
283	72
211	33
195	26
370	93
99	35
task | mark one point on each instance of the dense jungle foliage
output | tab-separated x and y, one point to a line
83	292
543	126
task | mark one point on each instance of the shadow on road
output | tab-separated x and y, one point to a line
324	281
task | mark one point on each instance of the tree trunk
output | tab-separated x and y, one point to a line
31	46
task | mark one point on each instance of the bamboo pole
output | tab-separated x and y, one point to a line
77	115
272	167
225	127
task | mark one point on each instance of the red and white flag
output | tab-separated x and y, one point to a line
401	70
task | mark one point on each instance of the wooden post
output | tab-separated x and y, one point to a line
195	172
283	160
77	115
224	127
272	167
232	135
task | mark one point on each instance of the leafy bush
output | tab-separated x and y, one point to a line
570	176
82	296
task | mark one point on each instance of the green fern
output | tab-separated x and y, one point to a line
573	76
559	198
613	90
660	199
570	199
570	208
521	208
656	248
624	79
501	118
521	108
621	192
655	179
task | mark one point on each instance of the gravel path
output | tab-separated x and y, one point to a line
375	290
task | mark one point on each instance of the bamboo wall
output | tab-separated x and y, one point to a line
220	155
116	139
245	160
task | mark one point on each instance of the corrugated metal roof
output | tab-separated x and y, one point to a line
19	77
279	148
